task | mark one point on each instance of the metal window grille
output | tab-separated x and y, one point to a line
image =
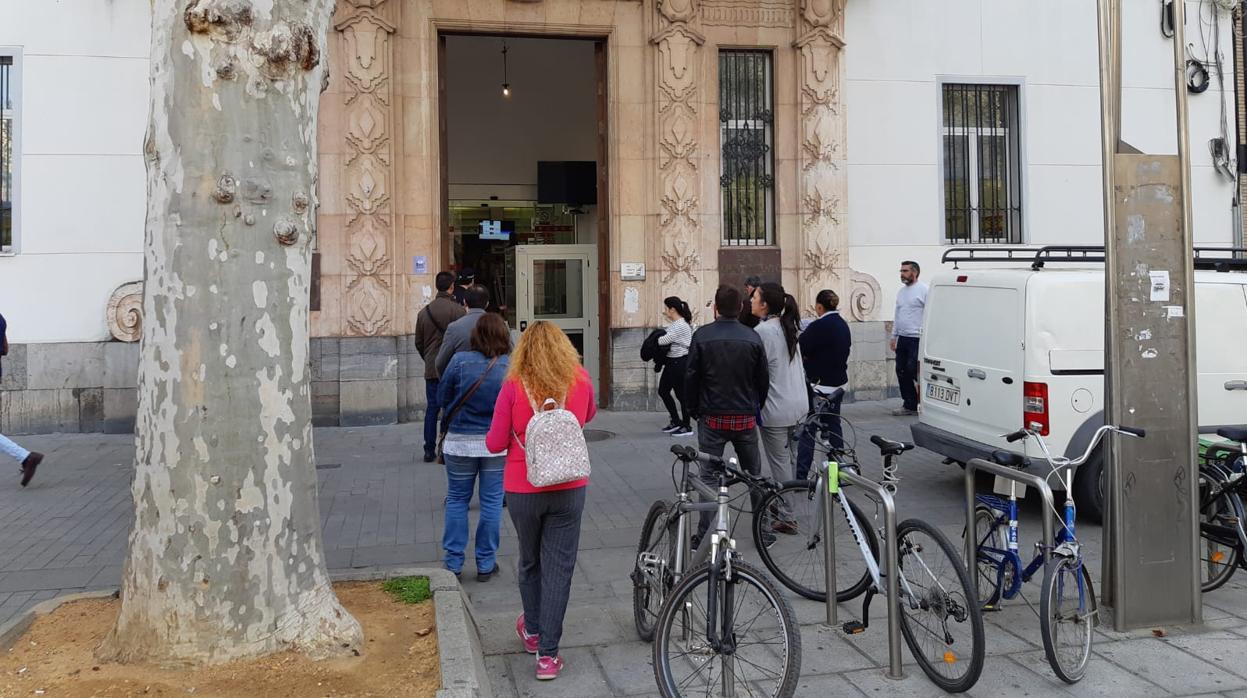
746	136
6	152
982	165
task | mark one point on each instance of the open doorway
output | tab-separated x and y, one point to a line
523	159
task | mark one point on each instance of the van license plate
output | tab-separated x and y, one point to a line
944	394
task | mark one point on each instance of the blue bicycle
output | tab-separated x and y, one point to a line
1067	604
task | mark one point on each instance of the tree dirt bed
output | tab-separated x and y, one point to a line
56	657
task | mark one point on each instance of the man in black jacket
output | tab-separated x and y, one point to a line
825	347
726	382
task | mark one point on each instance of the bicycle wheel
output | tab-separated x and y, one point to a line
766	659
796	556
989	567
940	623
653	574
1067	609
1218	552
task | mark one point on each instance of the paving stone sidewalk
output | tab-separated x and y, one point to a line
380	507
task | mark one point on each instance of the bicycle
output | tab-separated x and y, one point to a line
721	623
940	624
1222	481
1068	595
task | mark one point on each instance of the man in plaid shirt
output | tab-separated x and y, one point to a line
726	382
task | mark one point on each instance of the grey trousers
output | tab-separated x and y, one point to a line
777	443
548	527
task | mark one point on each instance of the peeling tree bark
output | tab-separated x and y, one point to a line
225	558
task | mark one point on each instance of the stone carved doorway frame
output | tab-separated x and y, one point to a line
600	35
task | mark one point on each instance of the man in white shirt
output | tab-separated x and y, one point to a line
911	302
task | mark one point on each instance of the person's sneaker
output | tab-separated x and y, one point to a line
429	456
548	668
768	539
682	431
485	576
29	465
530	641
671	428
787	528
904	412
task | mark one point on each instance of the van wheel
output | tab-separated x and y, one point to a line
1089	487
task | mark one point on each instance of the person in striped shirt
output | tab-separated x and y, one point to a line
677	340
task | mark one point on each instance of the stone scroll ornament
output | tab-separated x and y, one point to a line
823	173
125	312
677	44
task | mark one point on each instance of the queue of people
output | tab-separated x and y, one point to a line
505	415
748	378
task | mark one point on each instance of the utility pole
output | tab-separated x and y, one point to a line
1151	574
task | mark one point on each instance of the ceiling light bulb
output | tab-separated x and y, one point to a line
506	90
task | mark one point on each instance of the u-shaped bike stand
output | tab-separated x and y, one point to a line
1041	485
891	578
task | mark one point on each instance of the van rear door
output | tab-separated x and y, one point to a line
972	357
1221	352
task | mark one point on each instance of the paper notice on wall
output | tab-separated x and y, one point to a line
1172	311
1160	286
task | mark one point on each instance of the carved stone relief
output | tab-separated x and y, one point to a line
125	312
749	13
678	44
822	181
367	55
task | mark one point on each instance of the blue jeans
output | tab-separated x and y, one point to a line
430	415
12	450
461	474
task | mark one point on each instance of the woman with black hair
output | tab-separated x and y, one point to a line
677	340
786	401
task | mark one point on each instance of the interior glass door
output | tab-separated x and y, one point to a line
558	284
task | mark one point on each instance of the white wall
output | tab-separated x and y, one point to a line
897	50
551	114
83	111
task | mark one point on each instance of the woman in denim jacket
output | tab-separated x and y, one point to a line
464	450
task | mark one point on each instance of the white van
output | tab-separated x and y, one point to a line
1006	343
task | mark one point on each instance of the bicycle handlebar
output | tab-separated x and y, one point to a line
1132	431
1095	440
688	454
1017	435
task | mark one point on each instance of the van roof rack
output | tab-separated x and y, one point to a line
1036	256
1210	258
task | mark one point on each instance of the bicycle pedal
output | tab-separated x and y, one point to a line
854	627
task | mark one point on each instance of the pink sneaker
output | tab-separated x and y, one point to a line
548	668
530	641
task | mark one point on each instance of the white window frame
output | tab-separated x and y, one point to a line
941	131
16	96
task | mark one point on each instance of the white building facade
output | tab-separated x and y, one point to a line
971	122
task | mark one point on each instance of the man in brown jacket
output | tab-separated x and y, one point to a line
431	326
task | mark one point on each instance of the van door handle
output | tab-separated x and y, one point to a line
977	373
1236	385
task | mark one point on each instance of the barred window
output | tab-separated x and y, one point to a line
746	136
8	153
982	164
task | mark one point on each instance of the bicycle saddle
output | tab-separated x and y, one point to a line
1238	433
1010	459
888	447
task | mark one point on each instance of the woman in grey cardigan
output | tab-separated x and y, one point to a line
787	401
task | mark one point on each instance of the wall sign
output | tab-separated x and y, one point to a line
632	271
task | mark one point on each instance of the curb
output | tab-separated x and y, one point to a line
457	634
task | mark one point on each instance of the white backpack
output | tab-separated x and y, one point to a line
554	445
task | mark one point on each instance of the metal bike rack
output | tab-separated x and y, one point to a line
829	549
1008	473
881	495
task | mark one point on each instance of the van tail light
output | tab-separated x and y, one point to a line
1035	407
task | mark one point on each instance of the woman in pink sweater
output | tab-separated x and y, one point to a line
547	519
